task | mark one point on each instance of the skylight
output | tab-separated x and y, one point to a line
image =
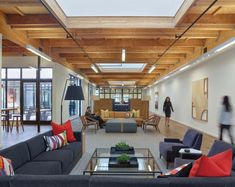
120	7
118	67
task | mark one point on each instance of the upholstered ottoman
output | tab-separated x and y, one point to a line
126	125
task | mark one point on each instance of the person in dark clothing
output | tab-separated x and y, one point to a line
167	108
225	118
92	116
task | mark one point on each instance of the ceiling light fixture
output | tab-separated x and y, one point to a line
225	46
94	68
122	84
80	77
37	52
166	77
184	68
152	68
123	55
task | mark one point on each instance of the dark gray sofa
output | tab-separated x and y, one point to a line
93	181
30	157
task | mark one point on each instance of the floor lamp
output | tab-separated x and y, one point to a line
73	92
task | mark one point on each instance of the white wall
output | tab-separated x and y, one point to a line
220	71
60	74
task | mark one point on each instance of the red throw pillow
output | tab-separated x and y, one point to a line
57	129
219	165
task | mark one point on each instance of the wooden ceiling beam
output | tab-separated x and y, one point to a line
208	19
119	43
31	20
14	3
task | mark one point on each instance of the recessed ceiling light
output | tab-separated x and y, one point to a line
123	55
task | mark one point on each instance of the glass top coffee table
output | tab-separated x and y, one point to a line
99	164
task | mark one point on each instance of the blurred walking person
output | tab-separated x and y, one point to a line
225	119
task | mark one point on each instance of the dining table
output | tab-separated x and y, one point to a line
7	111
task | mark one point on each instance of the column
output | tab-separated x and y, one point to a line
1	88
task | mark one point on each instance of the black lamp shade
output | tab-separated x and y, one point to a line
74	93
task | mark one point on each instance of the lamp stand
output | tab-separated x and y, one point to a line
61	104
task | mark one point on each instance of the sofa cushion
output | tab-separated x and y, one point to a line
220	146
6	168
75	147
64	156
37	144
57	129
181	171
18	154
40	168
219	165
127	182
56	141
50	181
190	137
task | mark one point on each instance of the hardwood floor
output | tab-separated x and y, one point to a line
9	139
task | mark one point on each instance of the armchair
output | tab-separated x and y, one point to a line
86	121
169	149
152	121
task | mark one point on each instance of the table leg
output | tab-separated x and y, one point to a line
8	120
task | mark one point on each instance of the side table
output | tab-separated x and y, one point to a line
190	153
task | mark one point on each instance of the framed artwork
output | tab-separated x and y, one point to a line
200	99
156	100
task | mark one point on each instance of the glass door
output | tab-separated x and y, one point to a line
29	104
36	107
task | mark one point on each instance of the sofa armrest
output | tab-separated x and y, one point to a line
78	135
176	148
173	140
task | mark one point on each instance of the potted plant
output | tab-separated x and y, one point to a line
122	146
123	159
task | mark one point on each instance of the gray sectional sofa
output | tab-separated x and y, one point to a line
30	157
36	168
94	181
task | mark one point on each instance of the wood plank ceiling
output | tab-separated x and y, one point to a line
104	45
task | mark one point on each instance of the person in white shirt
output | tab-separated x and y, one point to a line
225	118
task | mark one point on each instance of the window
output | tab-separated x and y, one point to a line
90	95
3	73
13	94
29	73
13	73
119	94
